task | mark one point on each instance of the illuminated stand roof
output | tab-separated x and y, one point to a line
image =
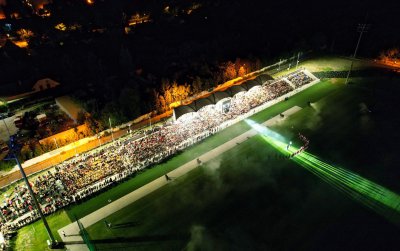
220	96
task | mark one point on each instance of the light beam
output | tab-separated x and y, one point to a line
374	196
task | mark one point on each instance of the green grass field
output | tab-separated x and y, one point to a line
34	236
81	210
152	222
251	199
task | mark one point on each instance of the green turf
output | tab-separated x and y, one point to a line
33	237
314	93
223	196
166	227
6	166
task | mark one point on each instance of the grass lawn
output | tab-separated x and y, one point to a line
312	94
251	199
7	165
33	237
333	64
328	64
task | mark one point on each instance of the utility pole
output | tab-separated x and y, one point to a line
361	28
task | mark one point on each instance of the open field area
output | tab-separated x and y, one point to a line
34	236
199	125
250	198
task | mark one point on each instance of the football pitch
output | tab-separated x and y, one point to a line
251	198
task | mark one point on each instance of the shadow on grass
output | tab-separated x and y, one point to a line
126	225
133	240
138	239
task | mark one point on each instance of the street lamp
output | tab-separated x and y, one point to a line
59	154
112	135
297	62
98	138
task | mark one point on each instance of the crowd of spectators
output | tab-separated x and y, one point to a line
299	78
85	175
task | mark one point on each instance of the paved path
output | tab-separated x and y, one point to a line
278	118
72	230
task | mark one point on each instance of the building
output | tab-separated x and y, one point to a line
41	118
71	108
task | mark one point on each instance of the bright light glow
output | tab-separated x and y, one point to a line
61	27
263	130
139	19
376	197
21	43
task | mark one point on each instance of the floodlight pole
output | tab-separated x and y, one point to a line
297	62
14	156
112	135
39	209
361	28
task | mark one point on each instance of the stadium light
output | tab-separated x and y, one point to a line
13	155
372	195
297	62
361	28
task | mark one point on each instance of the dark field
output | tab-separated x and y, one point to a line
250	198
